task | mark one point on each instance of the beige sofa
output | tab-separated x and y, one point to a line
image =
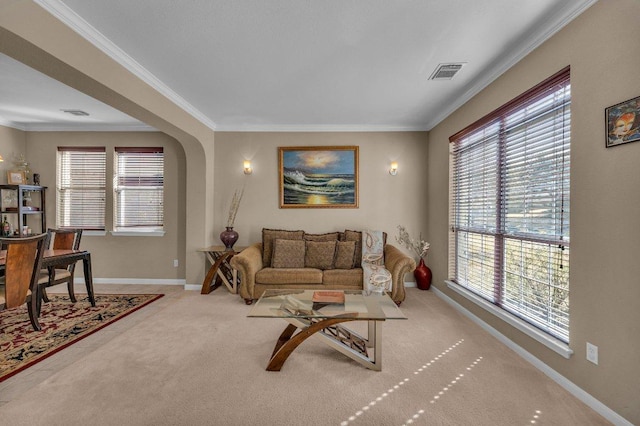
298	260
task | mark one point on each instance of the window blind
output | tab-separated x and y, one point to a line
138	188
81	181
510	201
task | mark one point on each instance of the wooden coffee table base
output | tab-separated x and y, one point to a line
340	338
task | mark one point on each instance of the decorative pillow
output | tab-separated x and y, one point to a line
357	237
345	253
320	254
288	254
329	236
269	235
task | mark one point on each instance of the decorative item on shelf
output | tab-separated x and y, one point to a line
36	178
6	227
229	236
16	177
422	273
21	165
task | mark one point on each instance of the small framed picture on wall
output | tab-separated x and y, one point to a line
16	177
623	122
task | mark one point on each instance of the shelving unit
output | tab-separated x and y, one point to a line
21	214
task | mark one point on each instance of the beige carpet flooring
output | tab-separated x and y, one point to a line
198	360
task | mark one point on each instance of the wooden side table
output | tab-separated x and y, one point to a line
220	270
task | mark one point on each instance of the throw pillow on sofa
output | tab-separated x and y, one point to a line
320	254
269	236
345	253
288	254
329	236
357	237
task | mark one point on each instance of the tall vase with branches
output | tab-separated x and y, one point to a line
229	236
422	273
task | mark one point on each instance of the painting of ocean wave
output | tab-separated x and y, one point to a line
318	177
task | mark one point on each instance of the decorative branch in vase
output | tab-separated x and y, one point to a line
229	236
420	247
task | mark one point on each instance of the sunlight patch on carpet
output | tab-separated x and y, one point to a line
398	386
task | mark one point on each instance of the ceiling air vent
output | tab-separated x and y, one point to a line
446	71
76	112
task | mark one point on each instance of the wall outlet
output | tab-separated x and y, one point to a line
592	353
175	263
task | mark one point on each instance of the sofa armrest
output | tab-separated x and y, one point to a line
398	263
248	262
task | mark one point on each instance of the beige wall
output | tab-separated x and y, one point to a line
12	143
122	257
385	201
603	49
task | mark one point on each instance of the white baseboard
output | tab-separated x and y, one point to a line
571	387
156	281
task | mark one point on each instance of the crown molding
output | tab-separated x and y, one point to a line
81	127
12	124
74	21
318	128
77	127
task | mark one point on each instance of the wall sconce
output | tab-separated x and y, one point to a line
393	170
247	167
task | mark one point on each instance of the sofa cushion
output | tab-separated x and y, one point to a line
342	278
289	276
329	236
320	254
288	254
270	235
345	254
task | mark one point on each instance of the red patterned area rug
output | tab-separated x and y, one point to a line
63	323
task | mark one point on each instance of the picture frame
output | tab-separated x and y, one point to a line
318	176
16	177
623	122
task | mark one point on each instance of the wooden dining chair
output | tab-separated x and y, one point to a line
21	271
60	239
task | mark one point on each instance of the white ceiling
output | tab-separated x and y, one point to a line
252	65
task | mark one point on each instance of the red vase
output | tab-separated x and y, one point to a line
423	275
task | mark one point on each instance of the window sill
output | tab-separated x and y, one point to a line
549	341
137	233
94	233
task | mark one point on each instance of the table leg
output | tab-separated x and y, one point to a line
287	344
88	277
207	286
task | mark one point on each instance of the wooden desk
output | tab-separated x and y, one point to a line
63	258
220	270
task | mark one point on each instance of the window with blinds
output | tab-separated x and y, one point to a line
138	187
81	181
510	206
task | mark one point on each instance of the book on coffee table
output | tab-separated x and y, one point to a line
326	296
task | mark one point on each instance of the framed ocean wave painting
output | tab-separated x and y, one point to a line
318	177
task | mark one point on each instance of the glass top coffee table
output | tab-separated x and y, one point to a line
320	313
